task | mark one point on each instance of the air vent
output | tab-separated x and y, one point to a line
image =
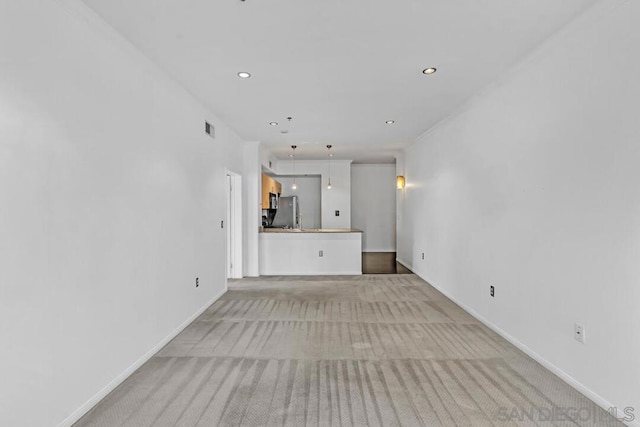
209	129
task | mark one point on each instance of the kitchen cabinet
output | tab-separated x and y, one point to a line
269	185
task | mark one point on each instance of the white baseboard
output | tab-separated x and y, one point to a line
590	394
81	411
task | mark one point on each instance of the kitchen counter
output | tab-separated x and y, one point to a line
311	230
290	251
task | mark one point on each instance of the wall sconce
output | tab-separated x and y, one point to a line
400	182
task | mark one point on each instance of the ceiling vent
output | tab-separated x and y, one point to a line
210	130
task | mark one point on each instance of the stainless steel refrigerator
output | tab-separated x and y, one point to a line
288	214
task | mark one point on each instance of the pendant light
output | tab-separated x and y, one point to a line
330	155
294	186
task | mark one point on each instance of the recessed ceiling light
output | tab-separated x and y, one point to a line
429	70
244	75
273	123
390	122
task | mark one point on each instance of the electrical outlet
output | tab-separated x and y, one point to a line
422	255
579	333
320	254
337	213
197	282
492	291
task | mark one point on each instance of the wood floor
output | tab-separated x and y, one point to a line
371	350
382	263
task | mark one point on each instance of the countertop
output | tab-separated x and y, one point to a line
310	230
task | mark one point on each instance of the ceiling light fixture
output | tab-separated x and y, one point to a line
429	70
330	155
294	186
273	123
244	75
390	122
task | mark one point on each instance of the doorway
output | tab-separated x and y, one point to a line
234	225
382	263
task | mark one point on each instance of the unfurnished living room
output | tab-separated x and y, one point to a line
330	213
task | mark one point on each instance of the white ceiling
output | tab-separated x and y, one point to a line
340	68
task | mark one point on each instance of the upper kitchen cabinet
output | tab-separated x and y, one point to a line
269	185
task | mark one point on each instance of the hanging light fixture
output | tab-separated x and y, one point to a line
294	186
330	155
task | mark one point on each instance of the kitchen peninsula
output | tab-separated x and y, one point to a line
292	251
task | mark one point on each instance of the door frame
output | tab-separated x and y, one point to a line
234	246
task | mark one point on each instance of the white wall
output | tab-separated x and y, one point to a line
110	207
401	236
252	183
373	205
533	188
267	159
338	198
297	254
309	196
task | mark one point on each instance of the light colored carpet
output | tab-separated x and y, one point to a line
371	350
